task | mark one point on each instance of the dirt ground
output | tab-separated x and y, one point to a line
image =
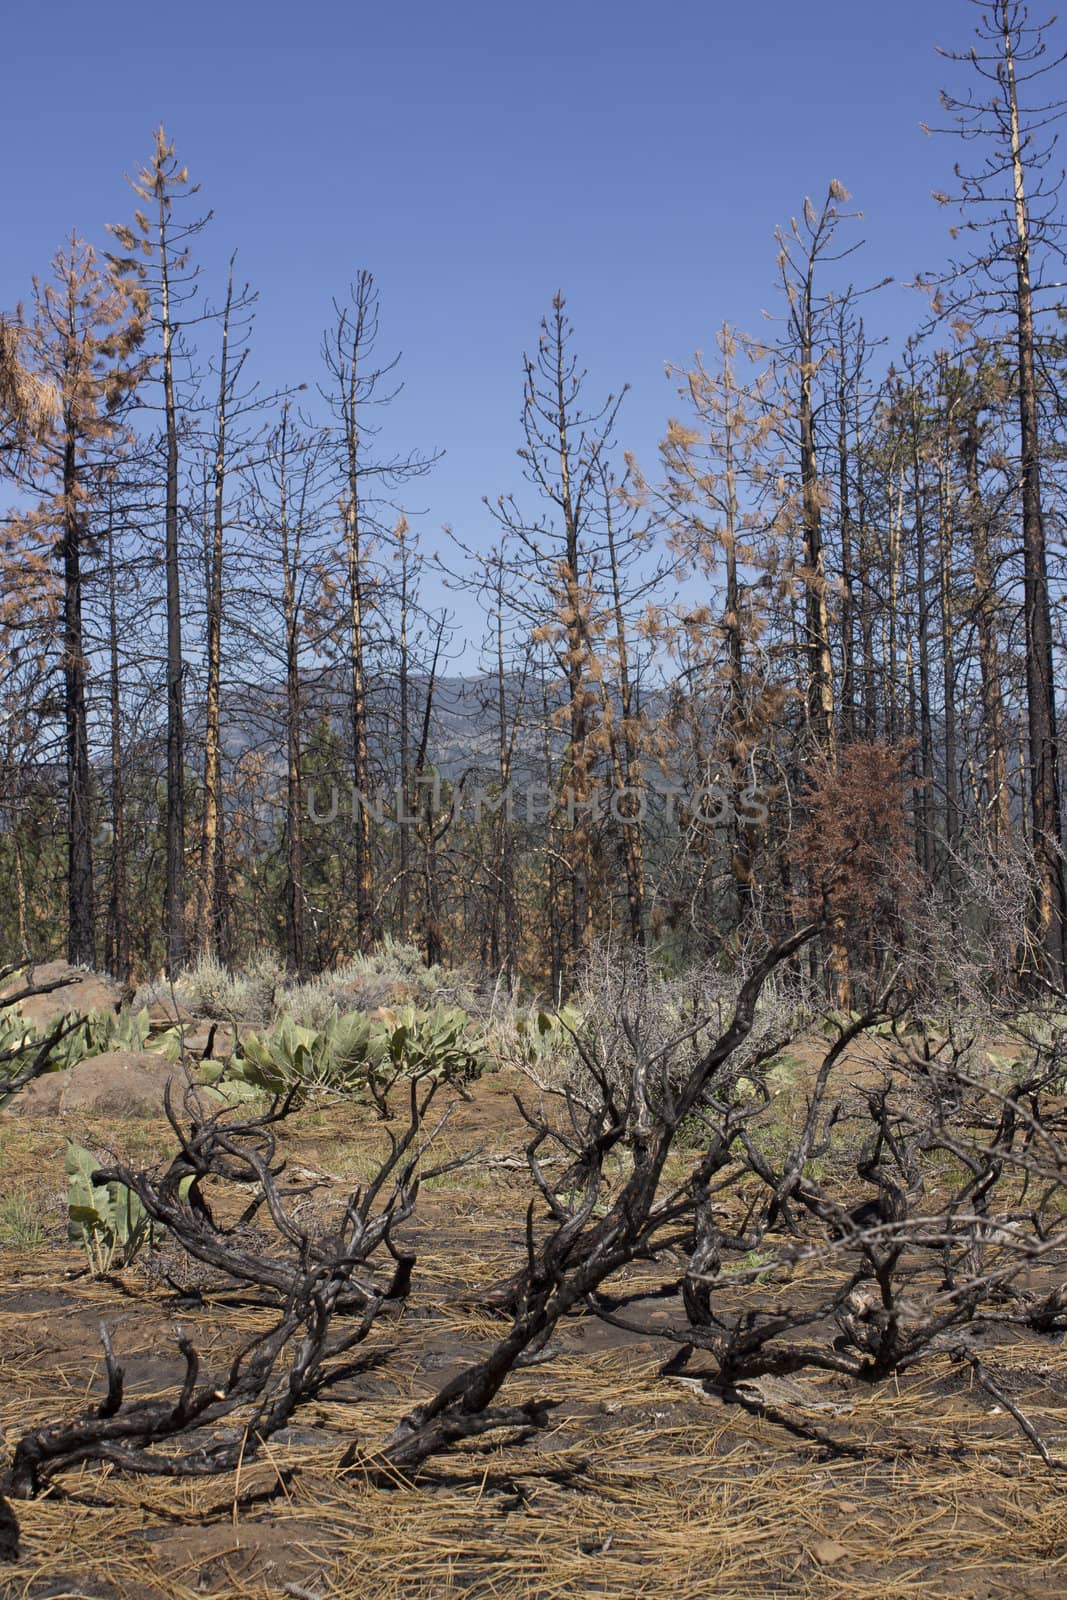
642	1485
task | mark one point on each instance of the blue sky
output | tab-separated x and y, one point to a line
478	154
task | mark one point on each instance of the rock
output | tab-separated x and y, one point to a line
827	1551
40	1097
197	1040
119	1083
169	1013
77	991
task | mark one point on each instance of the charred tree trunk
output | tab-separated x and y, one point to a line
986	608
1049	912
81	935
946	529
174	893
294	785
816	611
624	746
925	805
848	665
211	837
118	919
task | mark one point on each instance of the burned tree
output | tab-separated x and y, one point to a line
350	1271
357	385
1009	207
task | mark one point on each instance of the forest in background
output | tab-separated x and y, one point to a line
826	624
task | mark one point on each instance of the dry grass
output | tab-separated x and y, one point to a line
640	1487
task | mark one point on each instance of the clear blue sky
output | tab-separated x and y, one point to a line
478	154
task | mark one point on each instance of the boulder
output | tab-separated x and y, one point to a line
40	1097
198	1039
119	1083
169	1013
77	991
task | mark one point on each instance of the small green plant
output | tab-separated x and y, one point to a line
755	1266
85	1036
107	1220
101	1031
18	1039
14	1032
339	1056
545	1038
352	1047
22	1225
435	1043
776	1074
234	1080
282	1059
354	1053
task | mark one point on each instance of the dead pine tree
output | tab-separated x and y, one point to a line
157	246
722	528
1002	287
556	555
230	405
983	391
507	655
801	365
117	937
279	613
27	402
84	339
356	387
617	675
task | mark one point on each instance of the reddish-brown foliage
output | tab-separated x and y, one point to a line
853	850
